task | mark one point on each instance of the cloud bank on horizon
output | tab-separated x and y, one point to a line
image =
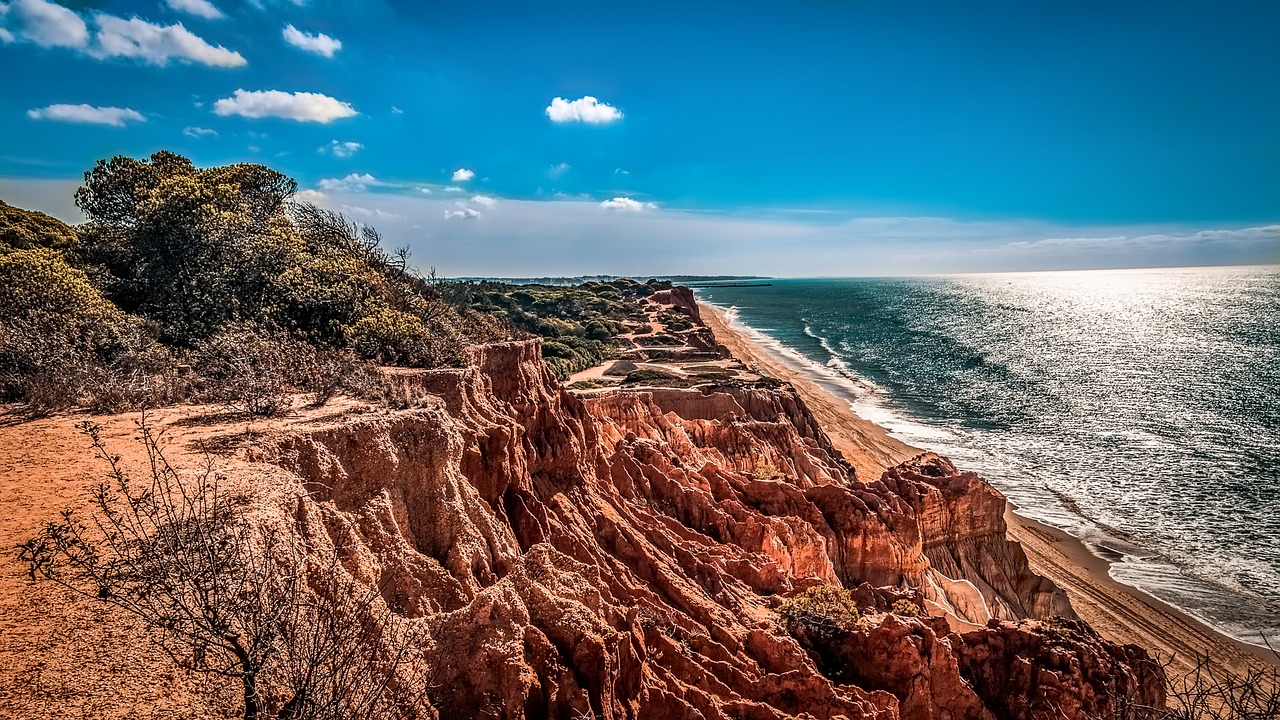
728	138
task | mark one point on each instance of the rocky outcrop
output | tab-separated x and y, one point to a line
975	573
1032	670
680	298
1024	671
623	556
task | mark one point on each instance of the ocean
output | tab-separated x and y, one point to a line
1138	410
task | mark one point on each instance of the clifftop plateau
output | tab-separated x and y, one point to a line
626	553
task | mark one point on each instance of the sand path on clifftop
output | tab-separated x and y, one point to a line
1120	613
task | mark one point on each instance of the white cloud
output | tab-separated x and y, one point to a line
199	132
46	24
354	182
342	149
451	188
1154	241
463	175
158	44
300	106
585	109
51	25
396	111
87	114
620	171
311	196
376	213
463	214
559	169
263	4
319	43
425	190
484	200
626	204
199	8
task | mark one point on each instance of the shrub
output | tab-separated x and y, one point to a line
714	374
620	368
1211	693
245	370
597	330
650	376
57	332
41	289
234	599
823	611
553	349
140	378
27	230
765	471
906	608
590	385
659	339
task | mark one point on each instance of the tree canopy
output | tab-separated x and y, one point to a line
199	250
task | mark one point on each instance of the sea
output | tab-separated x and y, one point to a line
1138	410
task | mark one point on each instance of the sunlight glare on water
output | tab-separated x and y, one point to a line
1138	409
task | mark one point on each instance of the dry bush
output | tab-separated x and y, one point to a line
1208	692
245	370
232	599
906	608
765	471
822	611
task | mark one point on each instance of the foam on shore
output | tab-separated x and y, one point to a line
1217	607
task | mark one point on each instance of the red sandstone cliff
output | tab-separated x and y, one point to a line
623	556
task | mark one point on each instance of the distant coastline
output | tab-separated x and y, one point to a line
1121	612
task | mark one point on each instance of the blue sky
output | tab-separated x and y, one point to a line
805	138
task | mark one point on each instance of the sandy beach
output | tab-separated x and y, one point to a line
1120	613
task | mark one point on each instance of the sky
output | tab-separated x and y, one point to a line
815	137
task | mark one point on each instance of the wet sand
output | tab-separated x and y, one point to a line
1120	613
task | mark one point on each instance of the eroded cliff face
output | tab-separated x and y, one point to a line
623	555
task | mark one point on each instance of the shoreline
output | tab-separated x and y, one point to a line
1118	612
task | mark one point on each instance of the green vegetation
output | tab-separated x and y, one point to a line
648	376
822	611
580	323
26	230
659	340
217	285
182	266
906	608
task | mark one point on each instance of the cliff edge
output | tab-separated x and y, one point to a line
624	555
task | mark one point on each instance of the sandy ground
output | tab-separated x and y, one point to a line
1120	613
66	656
52	663
51	640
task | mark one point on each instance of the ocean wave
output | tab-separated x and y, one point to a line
865	397
1211	591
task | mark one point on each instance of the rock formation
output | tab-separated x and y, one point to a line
623	554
